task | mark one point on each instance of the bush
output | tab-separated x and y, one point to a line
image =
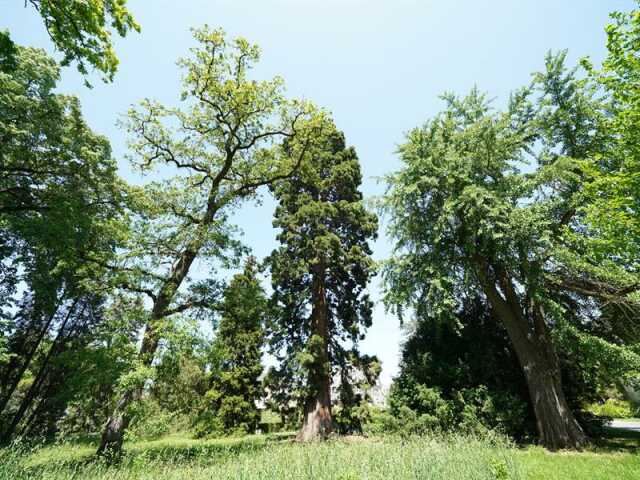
613	408
418	409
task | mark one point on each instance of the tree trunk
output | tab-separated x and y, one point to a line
317	423
17	376
117	424
113	432
55	349
556	424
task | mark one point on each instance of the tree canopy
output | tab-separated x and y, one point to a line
82	31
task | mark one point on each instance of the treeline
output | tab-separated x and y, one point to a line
515	264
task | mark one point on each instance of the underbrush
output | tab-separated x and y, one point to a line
614	408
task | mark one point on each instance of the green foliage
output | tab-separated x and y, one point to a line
60	195
82	31
612	407
462	376
324	235
150	421
613	189
358	376
235	386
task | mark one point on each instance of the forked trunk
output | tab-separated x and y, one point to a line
117	424
317	422
113	433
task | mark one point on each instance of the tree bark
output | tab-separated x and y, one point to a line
556	424
529	334
317	423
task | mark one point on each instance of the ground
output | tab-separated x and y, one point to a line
615	456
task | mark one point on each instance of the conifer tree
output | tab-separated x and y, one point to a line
320	272
235	384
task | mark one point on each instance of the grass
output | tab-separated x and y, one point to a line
350	458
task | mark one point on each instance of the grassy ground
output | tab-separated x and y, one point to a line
351	458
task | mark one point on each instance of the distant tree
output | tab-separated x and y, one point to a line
231	401
320	272
222	146
82	31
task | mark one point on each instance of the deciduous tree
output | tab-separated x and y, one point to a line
217	150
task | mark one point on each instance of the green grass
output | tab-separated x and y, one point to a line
351	458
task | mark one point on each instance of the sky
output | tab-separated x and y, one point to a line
378	66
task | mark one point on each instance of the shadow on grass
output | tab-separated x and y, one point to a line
618	439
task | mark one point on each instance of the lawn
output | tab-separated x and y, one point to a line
350	458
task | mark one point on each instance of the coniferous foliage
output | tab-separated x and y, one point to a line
231	401
320	273
468	369
469	220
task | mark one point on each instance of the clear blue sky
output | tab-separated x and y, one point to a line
377	65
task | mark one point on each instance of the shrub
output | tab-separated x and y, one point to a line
613	408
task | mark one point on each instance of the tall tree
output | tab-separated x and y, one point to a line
222	145
240	336
320	271
467	219
60	198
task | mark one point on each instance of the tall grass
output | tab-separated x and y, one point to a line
259	458
352	458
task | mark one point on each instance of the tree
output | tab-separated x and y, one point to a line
60	200
222	147
235	384
44	402
611	193
82	31
467	220
320	272
470	369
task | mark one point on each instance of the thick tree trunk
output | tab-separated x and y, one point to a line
317	423
556	424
